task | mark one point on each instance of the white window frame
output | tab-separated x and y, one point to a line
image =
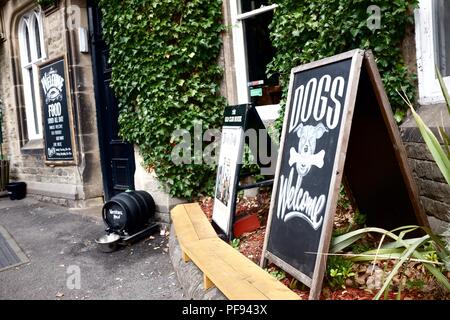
240	56
29	69
429	89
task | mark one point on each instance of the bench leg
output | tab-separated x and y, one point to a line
207	283
185	257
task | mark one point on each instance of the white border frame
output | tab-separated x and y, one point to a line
429	89
239	48
28	20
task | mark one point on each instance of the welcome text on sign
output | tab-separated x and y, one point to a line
311	100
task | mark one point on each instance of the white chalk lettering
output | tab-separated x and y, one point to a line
312	101
54	109
293	202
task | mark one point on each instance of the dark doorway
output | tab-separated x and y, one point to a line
117	156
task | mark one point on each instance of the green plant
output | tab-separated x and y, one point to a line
360	247
343	200
235	243
278	274
293	284
339	269
415	284
304	31
45	3
166	76
359	218
400	249
441	154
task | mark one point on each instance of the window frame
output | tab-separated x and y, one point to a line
429	88
239	47
29	61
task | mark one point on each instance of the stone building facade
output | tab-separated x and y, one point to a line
104	166
65	28
75	185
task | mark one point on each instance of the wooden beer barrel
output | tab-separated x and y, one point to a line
128	212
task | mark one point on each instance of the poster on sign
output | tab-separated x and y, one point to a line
231	146
337	117
58	125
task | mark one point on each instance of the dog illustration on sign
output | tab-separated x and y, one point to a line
293	200
305	157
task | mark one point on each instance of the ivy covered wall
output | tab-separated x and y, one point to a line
304	31
166	76
166	73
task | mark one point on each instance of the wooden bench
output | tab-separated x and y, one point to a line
236	276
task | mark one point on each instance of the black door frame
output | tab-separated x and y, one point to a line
105	156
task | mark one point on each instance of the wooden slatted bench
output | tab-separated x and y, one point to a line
236	276
191	225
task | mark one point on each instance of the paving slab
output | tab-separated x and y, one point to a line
65	262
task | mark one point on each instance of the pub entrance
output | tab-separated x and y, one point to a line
117	156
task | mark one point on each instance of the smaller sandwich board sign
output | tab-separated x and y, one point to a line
322	99
232	144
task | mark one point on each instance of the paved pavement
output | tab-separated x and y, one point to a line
59	241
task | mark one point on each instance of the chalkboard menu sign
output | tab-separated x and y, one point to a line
314	125
337	118
231	146
56	111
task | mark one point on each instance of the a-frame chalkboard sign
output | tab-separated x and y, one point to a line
338	122
241	123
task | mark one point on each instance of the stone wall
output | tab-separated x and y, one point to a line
148	181
433	189
3	97
76	185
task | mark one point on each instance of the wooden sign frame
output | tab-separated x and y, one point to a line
251	120
363	71
70	114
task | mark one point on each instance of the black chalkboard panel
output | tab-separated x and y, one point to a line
317	121
55	105
310	143
338	117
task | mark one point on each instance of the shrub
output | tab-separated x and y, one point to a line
166	76
304	31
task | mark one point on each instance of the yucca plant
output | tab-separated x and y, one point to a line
400	249
439	151
441	154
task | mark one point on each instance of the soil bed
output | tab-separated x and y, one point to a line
413	282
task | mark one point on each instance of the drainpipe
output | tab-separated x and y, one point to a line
73	76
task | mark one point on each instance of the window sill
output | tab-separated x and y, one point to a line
37	144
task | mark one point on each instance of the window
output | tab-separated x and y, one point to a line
253	51
433	48
31	44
